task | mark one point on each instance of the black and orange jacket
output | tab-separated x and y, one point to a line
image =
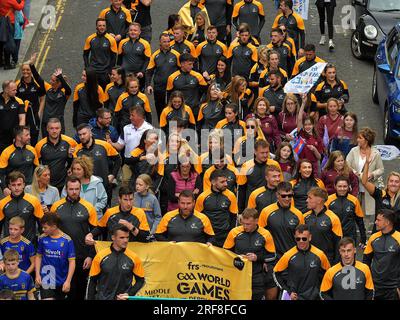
220	207
125	102
15	158
112	273
301	272
349	211
162	64
78	218
301	188
326	231
117	21
259	242
100	52
106	159
195	228
25	206
360	287
281	222
382	255
134	55
135	216
56	156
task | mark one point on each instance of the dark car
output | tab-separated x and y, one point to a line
374	19
386	83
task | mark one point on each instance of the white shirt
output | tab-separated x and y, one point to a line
131	137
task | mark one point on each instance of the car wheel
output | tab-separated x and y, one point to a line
375	87
386	127
356	45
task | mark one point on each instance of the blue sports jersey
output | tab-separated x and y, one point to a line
21	285
25	249
56	253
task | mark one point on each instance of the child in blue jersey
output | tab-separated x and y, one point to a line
55	260
15	279
19	243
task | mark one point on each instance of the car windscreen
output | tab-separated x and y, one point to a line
384	5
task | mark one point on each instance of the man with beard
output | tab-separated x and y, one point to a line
56	151
219	205
274	93
103	154
100	52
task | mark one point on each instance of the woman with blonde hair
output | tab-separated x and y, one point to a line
176	147
200	26
243	144
145	199
385	197
287	118
259	67
92	189
41	188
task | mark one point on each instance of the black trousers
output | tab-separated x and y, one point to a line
330	11
103	79
79	282
159	101
386	294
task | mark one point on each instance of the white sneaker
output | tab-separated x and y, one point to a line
322	41
30	24
331	44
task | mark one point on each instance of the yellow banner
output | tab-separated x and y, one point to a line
188	270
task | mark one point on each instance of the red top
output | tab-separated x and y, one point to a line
332	125
7	8
328	177
306	153
269	127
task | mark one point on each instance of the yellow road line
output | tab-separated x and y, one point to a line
59	11
43	60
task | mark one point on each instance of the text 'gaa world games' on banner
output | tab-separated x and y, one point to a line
189	270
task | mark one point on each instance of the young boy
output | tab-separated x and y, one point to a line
20	244
15	279
55	260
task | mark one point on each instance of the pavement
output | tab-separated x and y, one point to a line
35	17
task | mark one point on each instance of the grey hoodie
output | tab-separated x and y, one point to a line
95	194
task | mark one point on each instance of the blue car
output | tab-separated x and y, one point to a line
386	83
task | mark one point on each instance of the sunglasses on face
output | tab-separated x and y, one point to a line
250	127
302	239
289	195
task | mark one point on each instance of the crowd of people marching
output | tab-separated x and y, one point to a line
201	143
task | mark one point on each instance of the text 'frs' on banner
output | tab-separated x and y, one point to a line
189	270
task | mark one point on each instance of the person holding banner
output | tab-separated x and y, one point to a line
257	245
185	224
114	269
307	61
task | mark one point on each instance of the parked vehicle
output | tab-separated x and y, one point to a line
374	19
386	83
